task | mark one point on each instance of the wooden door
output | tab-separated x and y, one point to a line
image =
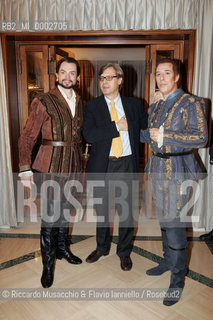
32	62
36	73
55	54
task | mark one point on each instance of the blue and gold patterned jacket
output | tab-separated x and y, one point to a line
182	117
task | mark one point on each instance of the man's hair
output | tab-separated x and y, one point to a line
69	60
115	66
175	63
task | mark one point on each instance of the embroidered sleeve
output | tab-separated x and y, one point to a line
193	133
145	136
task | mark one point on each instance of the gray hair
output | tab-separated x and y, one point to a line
115	66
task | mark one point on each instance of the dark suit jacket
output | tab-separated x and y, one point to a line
99	130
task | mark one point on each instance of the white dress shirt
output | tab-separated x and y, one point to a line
71	102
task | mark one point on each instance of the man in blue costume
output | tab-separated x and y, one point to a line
176	125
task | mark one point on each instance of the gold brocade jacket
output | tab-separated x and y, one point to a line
51	117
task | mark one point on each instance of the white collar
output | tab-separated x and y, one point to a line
64	94
115	100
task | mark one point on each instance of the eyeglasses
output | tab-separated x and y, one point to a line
108	78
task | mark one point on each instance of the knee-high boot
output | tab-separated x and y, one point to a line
48	242
178	271
164	265
63	250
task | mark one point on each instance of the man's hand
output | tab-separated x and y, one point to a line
27	181
154	134
122	124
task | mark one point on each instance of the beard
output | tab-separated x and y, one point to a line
72	85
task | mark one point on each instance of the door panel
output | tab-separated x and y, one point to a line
32	76
36	73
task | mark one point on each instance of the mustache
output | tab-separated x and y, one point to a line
66	80
73	85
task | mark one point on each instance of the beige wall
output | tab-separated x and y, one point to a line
106	53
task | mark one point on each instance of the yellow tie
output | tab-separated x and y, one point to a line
117	148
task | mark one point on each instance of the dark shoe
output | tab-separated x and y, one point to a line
48	242
47	277
63	250
67	254
95	256
207	236
157	271
126	263
164	265
173	295
178	272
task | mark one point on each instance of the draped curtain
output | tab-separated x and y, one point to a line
7	201
203	86
126	15
105	14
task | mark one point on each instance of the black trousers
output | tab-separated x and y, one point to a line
56	207
116	194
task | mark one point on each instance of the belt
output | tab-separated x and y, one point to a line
114	158
58	143
168	154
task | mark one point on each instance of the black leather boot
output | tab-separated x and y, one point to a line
178	269
164	265
48	242
63	250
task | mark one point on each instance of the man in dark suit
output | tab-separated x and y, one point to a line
112	125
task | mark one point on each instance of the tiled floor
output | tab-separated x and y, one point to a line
21	267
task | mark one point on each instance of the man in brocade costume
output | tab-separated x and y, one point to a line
57	116
176	126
